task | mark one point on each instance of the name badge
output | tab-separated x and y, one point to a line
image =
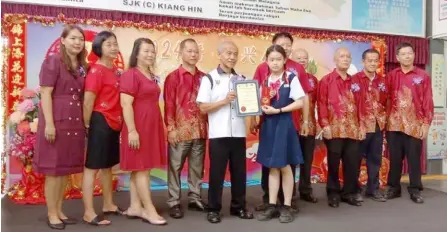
286	86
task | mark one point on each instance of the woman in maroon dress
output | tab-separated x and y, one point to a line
61	126
103	118
142	138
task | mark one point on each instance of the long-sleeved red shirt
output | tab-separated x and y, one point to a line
181	111
297	117
337	103
410	104
263	72
372	110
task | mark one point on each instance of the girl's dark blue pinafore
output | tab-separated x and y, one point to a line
279	145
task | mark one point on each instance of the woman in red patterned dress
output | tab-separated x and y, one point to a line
103	118
60	126
143	143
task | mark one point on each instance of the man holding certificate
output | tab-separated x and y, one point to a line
226	131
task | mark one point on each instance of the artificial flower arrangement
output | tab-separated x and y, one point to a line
23	126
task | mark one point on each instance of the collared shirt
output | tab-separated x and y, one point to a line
223	122
372	110
104	83
263	72
337	105
297	117
410	103
181	111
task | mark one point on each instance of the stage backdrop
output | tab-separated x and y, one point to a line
251	49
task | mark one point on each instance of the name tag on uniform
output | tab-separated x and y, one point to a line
286	86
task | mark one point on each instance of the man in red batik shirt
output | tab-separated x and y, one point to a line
410	113
285	40
372	120
337	103
307	130
186	129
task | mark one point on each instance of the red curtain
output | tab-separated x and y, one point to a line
421	44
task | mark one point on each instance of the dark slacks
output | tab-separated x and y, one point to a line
347	151
399	146
371	148
307	145
221	151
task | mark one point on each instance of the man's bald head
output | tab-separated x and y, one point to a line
342	59
301	56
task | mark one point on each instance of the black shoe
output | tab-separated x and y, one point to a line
69	221
270	212
309	198
334	201
392	194
358	197
417	198
262	207
241	213
286	214
176	212
376	196
197	206
294	207
351	200
213	217
58	226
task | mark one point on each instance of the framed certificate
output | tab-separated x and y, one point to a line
247	98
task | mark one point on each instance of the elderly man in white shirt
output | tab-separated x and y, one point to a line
226	134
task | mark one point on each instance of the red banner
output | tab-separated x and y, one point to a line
17	63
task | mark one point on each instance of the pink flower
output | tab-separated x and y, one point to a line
26	106
16	117
28	93
23	128
33	125
37	89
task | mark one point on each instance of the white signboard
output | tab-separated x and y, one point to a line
439	18
438	78
405	17
437	136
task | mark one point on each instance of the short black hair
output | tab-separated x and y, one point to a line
404	45
183	43
370	51
136	50
282	35
99	39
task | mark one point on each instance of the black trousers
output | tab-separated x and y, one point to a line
307	145
347	151
399	146
221	151
371	148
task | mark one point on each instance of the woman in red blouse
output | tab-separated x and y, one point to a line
139	98
103	118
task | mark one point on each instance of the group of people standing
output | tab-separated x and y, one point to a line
118	112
